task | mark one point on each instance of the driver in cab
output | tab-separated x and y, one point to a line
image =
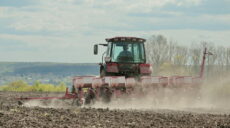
125	53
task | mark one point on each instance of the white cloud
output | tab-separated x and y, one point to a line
53	49
79	48
4	11
222	18
81	23
66	15
188	2
59	16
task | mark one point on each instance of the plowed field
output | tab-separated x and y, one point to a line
14	115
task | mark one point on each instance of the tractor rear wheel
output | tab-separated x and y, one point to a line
90	97
106	95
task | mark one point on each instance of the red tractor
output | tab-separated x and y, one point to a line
125	56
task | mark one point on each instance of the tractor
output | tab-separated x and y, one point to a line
125	56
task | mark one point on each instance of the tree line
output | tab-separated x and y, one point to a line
169	58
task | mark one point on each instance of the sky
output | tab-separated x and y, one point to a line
66	30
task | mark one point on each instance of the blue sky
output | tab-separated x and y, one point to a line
65	30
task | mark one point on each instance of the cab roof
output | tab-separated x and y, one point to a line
130	39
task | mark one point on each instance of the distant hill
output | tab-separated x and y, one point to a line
44	71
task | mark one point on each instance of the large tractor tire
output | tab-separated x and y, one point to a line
106	94
90	97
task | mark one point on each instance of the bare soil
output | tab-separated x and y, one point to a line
14	115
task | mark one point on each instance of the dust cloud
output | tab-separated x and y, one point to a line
47	103
211	97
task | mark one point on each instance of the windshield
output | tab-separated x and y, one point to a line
128	52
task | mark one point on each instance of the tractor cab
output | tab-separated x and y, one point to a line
128	50
124	56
